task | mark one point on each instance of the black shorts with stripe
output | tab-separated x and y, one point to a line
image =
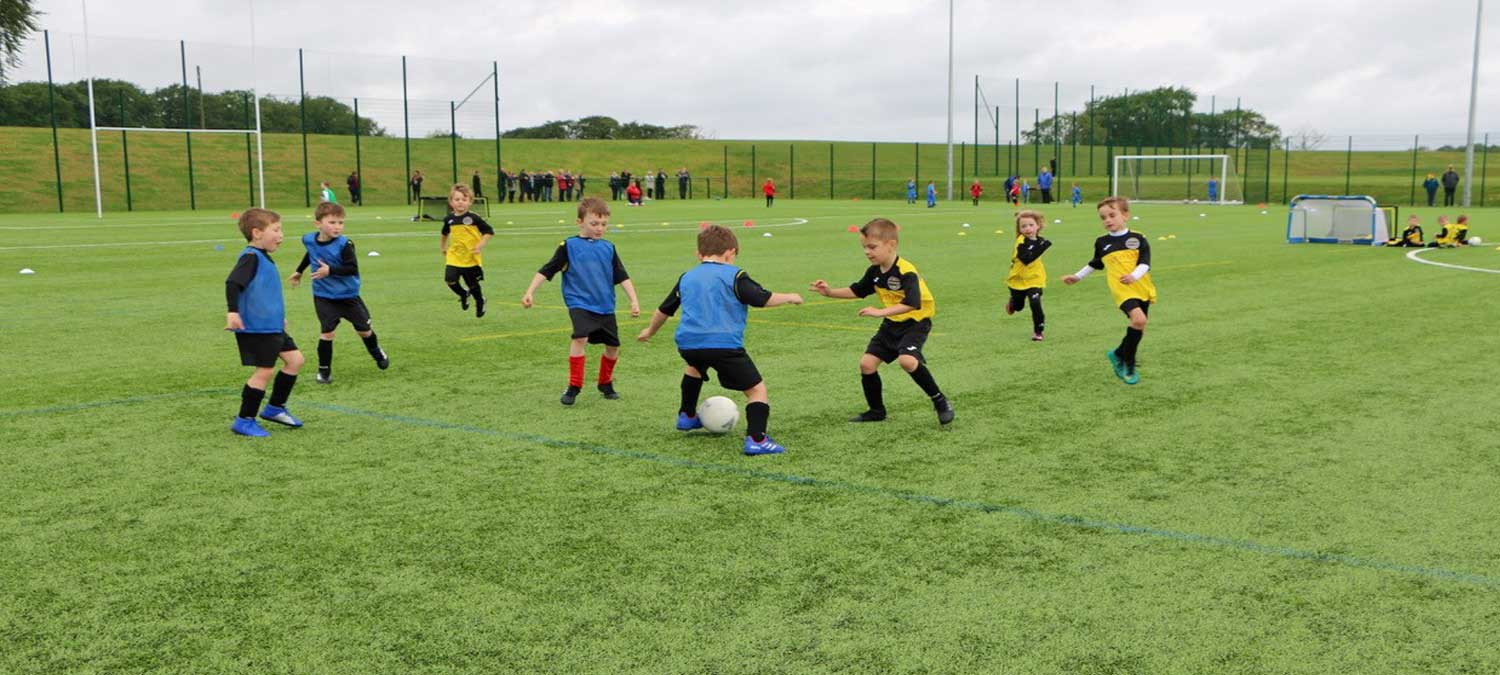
896	338
1134	303
331	311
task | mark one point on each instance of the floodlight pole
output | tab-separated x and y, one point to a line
260	157
93	126
950	100
1473	99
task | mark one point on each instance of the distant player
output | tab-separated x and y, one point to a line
1027	275
1125	257
464	237
327	195
906	313
714	298
1213	189
975	190
770	191
1077	195
257	315
1014	191
591	269
1411	237
931	194
336	286
911	190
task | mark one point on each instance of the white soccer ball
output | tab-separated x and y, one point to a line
718	414
1475	241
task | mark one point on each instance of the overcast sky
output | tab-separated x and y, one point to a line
818	69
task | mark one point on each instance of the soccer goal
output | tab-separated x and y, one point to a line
1336	219
1176	179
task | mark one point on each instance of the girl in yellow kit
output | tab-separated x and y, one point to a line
1027	275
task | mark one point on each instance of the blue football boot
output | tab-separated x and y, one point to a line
247	426
280	416
765	447
685	423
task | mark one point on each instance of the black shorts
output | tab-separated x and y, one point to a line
1018	296
261	349
331	311
736	370
1134	303
600	329
896	338
470	275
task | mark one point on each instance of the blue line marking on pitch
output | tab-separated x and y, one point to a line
112	402
967	505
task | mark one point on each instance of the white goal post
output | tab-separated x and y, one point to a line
1176	179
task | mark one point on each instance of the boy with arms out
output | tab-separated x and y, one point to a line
714	298
257	316
591	268
469	234
1125	257
335	288
906	316
1027	275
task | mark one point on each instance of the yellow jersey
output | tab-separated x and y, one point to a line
1026	268
899	285
1118	255
463	232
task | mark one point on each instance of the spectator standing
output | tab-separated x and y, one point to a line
683	179
1450	184
1431	186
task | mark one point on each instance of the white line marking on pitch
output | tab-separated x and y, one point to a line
1413	256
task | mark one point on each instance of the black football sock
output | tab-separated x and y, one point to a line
691	387
325	354
281	389
476	292
1129	345
757	415
458	290
372	344
250	400
874	397
1038	317
923	378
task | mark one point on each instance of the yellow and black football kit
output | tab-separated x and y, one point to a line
1119	255
1410	237
899	335
463	232
1027	278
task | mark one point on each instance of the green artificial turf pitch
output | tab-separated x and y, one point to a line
1304	481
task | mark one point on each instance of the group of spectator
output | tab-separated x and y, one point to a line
559	185
653	185
1449	182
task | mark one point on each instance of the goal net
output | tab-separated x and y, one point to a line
1176	179
1336	219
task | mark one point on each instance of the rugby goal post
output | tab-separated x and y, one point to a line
1176	179
1336	219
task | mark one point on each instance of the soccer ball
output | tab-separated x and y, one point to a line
718	414
1475	241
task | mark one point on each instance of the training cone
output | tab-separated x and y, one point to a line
1161	238
665	223
966	224
962	234
510	222
853	228
379	217
27	270
218	247
1135	217
703	226
766	234
999	231
1057	221
1171	236
1261	205
1263	212
749	223
373	254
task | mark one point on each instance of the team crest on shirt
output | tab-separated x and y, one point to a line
1132	243
468	220
893	283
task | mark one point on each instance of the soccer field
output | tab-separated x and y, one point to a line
1305	480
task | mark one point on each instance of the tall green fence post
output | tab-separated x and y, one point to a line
976	128
1090	111
725	186
753	181
406	131
1036	141
500	180
791	163
302	128
359	170
453	137
1016	143
125	146
1265	194
916	155
830	171
187	116
1349	162
52	115
1056	126
872	164
962	162
1412	192
1286	171
997	140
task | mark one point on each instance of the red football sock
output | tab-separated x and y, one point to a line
575	371
607	369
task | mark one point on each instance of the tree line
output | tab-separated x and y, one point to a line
1158	117
601	127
